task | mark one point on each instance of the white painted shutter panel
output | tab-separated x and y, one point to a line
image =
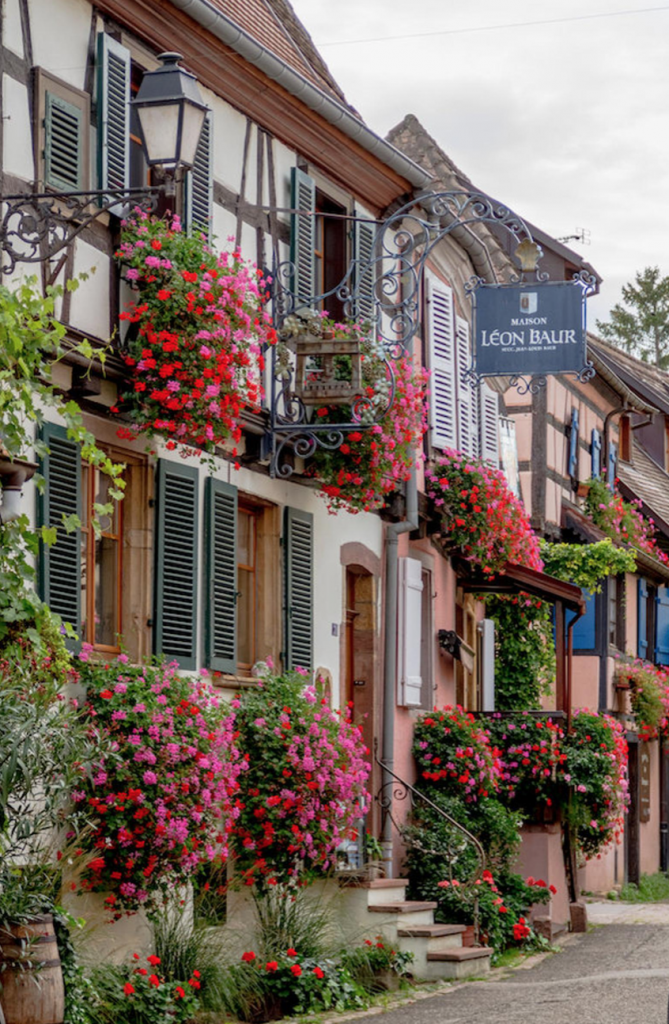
441	344
467	406
489	420
410	614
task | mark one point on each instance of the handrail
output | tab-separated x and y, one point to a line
401	790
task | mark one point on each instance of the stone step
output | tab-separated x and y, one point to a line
386	890
409	912
470	961
423	939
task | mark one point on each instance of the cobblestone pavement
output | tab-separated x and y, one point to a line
617	973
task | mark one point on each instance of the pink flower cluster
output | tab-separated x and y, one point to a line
622	520
480	517
161	796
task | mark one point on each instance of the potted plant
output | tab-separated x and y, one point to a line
374	865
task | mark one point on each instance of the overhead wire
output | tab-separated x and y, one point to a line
492	28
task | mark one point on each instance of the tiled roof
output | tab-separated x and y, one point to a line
652	382
276	26
646	480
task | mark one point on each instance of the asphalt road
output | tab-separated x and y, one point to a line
617	973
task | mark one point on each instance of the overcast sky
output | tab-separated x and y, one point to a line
566	122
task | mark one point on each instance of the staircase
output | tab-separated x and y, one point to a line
380	908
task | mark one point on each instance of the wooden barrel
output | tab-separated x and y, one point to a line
31	979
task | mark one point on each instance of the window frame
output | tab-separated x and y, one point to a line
88	606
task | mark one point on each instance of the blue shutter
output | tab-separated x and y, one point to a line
596	451
642	620
59	567
584	633
220	541
176	563
612	465
662	626
299	557
302	237
573	446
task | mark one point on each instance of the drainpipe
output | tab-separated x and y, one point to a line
390	663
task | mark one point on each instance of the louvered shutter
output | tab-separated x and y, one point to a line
409	632
220	538
596	454
489	424
642	619
366	271
572	467
441	351
662	626
176	563
302	237
467	406
200	182
113	95
63	144
299	557
612	464
60	564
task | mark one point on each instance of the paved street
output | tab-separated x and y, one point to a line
618	973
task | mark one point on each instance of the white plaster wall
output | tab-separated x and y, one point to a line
60	35
90	302
224	225
229	132
12	35
18	146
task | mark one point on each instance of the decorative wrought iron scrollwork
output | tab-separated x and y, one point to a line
37	226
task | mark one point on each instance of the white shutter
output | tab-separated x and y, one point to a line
441	343
467	404
410	615
364	236
489	420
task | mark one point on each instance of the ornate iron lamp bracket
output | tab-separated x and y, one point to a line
36	226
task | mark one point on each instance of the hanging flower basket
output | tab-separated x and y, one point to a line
328	359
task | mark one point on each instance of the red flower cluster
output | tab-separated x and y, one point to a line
622	520
195	347
480	517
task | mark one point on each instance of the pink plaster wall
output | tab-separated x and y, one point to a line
649	839
541	857
604	871
585	681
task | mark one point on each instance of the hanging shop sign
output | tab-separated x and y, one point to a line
529	329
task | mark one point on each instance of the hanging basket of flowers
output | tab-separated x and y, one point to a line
328	359
194	351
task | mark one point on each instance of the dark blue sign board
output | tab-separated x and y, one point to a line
528	329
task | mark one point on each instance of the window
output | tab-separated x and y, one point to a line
101	564
616	611
100	585
242	610
323	245
62	140
248	582
625	438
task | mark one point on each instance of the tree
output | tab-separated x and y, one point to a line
642	329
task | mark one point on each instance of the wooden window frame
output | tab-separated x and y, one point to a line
255	512
88	563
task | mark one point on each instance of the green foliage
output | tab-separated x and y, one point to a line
651	889
139	994
586	565
185	945
288	917
640	324
79	992
524	650
648	694
32	342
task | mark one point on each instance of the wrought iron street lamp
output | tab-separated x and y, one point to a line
171	112
36	226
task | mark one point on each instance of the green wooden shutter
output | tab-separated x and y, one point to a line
59	571
63	144
302	237
113	97
365	272
220	621
200	183
175	633
298	546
